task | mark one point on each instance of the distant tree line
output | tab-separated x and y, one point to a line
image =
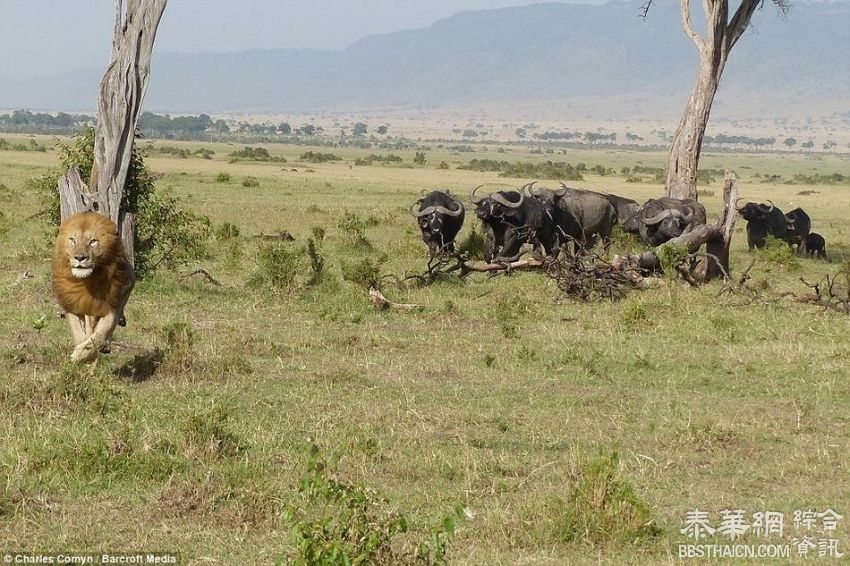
723	139
24	121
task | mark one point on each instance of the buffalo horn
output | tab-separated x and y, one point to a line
505	202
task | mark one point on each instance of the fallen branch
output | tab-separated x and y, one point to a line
484	267
381	303
206	275
281	235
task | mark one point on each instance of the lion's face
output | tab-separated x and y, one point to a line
88	239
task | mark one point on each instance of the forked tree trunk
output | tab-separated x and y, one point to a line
122	91
714	46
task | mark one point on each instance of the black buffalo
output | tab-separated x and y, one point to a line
665	218
797	229
440	217
579	215
816	245
511	220
762	221
626	209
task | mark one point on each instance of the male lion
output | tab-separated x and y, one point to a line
92	280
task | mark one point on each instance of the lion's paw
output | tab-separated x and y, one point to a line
85	352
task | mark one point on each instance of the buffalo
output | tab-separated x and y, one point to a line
511	220
797	229
762	221
579	215
440	217
665	218
626	209
815	245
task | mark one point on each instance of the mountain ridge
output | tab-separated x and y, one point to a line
510	57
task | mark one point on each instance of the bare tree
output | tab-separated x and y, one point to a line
714	45
122	91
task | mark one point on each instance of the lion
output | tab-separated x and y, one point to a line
92	280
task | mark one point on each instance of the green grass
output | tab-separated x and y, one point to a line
495	395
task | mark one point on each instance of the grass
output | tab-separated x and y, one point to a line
494	395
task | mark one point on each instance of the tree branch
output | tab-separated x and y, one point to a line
741	20
685	6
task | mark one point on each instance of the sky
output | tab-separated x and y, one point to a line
47	37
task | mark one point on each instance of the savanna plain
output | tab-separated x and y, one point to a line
497	423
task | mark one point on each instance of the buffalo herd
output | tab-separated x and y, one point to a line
545	219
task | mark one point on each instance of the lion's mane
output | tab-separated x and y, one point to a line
101	292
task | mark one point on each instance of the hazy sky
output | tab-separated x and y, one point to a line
44	37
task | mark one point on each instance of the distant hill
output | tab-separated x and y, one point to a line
604	56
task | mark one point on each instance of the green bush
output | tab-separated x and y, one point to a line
254	154
370	159
168	235
278	267
249	182
207	434
353	231
779	252
317	263
318	157
634	313
222	177
473	245
340	523
601	507
225	231
364	273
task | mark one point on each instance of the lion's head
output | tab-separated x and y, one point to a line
90	269
87	240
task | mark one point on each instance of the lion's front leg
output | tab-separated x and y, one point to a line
89	348
79	330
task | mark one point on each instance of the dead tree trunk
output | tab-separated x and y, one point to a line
122	91
719	247
717	238
714	46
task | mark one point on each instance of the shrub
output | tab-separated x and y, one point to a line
779	252
370	159
601	506
179	338
443	165
668	255
250	182
419	158
233	255
317	263
222	177
168	235
317	157
364	273
225	231
278	267
342	523
353	230
473	245
207	434
252	154
634	313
